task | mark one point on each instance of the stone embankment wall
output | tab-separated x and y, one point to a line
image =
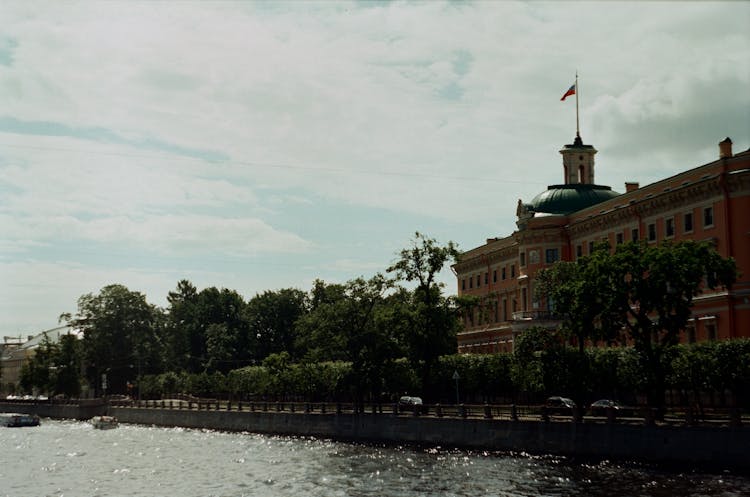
688	446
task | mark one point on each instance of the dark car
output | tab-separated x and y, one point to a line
560	405
410	404
602	407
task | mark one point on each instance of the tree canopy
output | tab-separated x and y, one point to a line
639	293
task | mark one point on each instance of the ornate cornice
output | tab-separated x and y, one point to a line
493	252
647	205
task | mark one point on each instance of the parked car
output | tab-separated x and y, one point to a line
560	405
601	408
408	404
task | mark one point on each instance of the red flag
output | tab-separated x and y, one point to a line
571	91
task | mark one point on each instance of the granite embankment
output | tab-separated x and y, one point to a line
720	446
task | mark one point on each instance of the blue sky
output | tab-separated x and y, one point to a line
258	146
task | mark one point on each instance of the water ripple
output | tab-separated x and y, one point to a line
70	458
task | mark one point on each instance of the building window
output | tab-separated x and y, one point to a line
618	238
486	278
687	223
634	236
551	255
534	257
505	309
591	248
479	281
523	258
579	250
502	276
463	284
471	282
494	275
652	232
711	331
691	334
708	217
669	227
524	298
512	270
495	311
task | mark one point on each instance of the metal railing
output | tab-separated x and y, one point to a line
725	416
508	412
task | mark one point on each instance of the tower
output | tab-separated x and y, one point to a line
578	162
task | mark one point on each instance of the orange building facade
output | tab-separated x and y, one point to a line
710	202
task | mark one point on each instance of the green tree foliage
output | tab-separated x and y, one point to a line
221	351
432	316
528	370
206	330
68	366
271	318
604	368
54	368
120	331
732	371
572	289
351	324
184	344
36	373
222	331
483	377
645	290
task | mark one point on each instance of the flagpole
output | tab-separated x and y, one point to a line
578	130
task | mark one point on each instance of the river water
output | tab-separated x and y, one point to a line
71	459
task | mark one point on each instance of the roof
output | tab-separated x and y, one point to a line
53	335
565	199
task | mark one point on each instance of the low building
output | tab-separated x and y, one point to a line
710	202
17	351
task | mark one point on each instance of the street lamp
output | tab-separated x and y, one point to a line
456	377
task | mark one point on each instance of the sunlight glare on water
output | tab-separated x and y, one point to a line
71	459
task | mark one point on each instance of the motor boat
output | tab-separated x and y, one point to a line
13	419
104	422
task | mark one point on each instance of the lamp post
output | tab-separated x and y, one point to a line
456	377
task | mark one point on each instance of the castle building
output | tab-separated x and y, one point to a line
710	202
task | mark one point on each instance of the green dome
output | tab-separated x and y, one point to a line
564	199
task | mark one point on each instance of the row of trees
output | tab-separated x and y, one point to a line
717	372
380	338
367	323
637	294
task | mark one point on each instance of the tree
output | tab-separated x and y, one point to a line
432	315
183	344
573	290
271	317
37	372
354	328
68	366
644	292
119	332
207	328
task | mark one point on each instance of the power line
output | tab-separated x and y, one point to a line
269	165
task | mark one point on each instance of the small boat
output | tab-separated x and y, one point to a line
104	422
14	419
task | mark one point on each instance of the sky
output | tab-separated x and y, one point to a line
262	145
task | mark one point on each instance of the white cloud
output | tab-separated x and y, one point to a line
444	112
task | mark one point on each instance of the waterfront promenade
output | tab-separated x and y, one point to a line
682	439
